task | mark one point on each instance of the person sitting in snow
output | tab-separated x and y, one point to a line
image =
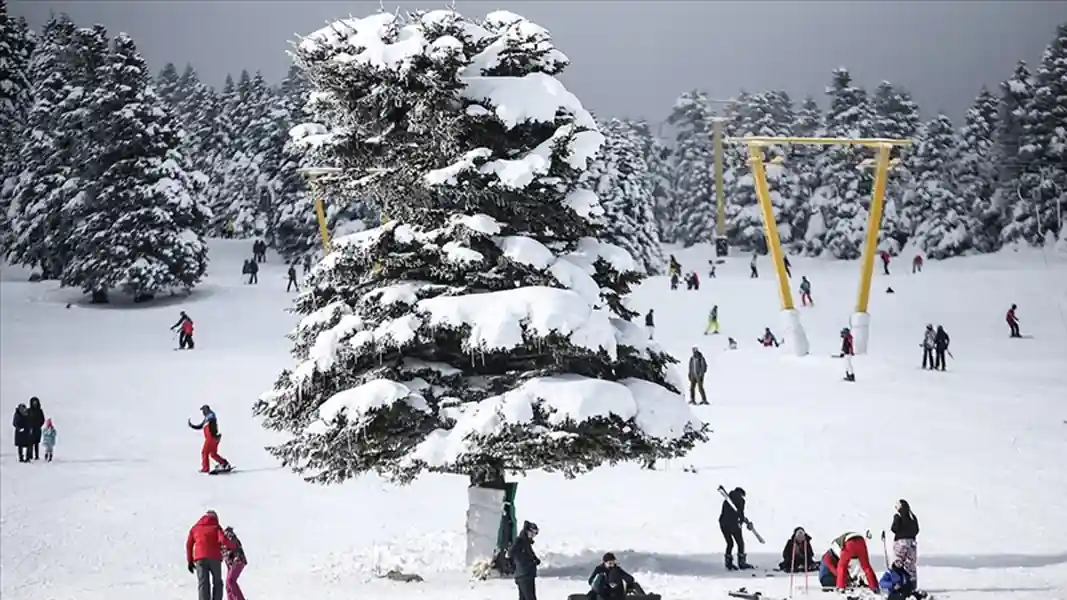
610	582
768	339
797	556
834	570
898	584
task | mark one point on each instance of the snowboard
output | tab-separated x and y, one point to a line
747	595
221	471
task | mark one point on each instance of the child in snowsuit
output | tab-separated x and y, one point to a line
236	561
805	292
210	449
837	559
768	339
185	333
730	522
48	439
797	556
905	529
928	347
713	321
1013	322
898	585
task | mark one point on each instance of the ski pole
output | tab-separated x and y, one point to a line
792	566
885	551
805	565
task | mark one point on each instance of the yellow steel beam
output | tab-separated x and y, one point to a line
770	226
720	193
874	224
766	141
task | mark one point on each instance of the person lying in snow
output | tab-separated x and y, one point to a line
610	582
797	556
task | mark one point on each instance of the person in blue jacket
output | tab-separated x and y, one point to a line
898	584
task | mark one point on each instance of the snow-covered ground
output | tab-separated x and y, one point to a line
979	450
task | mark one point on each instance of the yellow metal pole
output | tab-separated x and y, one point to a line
874	223
320	213
770	227
720	192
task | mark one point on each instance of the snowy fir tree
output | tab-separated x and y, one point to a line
620	177
692	164
475	331
1015	95
940	215
197	110
139	229
896	116
658	159
168	86
839	204
975	170
16	46
807	122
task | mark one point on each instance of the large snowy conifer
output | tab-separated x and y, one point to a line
808	122
896	116
482	328
140	231
1015	95
692	165
975	170
16	46
940	216
658	158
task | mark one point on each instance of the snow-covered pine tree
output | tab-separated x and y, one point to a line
1015	95
467	334
975	170
17	42
245	197
197	110
896	116
620	177
658	158
140	231
1043	150
808	122
169	87
942	217
222	109
839	204
692	165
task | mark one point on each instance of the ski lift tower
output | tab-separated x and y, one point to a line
313	174
722	248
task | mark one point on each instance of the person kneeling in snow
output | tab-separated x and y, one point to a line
899	584
768	338
610	582
834	570
797	556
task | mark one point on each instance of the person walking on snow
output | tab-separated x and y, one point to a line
48	438
885	261
650	323
292	279
203	553
185	331
253	272
905	530
928	347
788	267
805	292
940	348
697	368
768	338
848	350
846	547
753	272
236	561
730	522
210	449
525	561
713	321
1013	322
917	264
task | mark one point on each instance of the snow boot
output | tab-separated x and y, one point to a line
730	563
742	562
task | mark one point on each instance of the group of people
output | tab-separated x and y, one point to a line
935	346
207	547
32	430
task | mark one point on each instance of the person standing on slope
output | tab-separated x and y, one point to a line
940	347
928	347
292	279
836	561
48	438
698	367
185	331
203	553
885	261
730	522
848	350
236	561
23	439
713	321
805	292
37	421
650	323
1013	322
210	449
525	561
905	530
917	264
753	272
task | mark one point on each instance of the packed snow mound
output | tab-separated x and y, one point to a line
358	401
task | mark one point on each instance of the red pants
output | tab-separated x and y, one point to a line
805	299
210	450
855	548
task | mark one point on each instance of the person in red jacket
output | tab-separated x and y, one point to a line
1013	322
917	264
203	552
885	261
185	331
210	449
847	352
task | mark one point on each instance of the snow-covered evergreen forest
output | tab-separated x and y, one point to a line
112	176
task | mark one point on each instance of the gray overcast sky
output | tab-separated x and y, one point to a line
631	59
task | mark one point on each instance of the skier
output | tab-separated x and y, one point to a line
185	335
885	261
753	272
713	321
788	267
836	561
1013	322
697	368
905	530
928	347
797	555
847	352
940	347
609	581
805	292
210	449
525	561
917	264
203	553
48	438
650	323
236	561
730	522
292	279
768	339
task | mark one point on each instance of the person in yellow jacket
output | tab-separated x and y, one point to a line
713	321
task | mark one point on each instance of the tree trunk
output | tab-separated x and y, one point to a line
490	518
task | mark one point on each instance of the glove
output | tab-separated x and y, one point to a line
191	567
749	525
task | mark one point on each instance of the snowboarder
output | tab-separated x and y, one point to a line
37	421
928	347
788	267
525	561
797	555
292	279
847	352
940	348
837	559
21	423
185	333
917	264
210	449
650	323
1013	322
48	438
203	553
713	321
905	530
885	261
768	338
609	581
753	271
730	522
805	292
697	368
236	561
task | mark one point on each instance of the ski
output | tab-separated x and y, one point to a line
751	527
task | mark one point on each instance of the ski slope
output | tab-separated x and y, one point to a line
978	450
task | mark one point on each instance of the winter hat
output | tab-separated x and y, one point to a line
48	423
529	527
608	557
205	408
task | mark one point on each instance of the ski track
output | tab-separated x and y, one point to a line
977	450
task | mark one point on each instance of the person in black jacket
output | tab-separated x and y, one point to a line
525	561
730	522
36	415
905	531
21	423
940	347
797	556
610	582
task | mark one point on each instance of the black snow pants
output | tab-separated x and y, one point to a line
292	284
928	355
732	533
185	341
1014	328
939	358
527	588
209	579
753	273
